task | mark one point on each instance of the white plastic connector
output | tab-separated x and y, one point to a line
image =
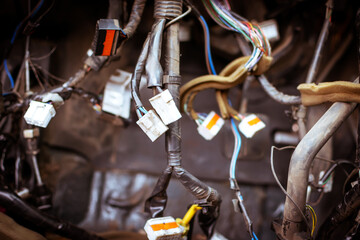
117	95
152	125
211	126
39	114
31	133
164	105
270	30
164	228
250	125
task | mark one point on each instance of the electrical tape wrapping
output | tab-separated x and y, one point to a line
168	9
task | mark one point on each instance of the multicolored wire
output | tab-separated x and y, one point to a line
221	13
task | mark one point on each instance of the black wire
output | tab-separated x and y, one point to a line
332	168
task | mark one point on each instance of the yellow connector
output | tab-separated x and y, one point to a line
187	218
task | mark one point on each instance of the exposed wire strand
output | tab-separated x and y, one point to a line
280	185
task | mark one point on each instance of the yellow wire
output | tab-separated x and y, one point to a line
236	117
314	218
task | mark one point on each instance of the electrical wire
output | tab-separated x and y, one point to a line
45	56
8	74
237	148
45	72
314	218
205	27
30	15
143	110
255	237
207	46
223	16
208	56
15	34
331	169
179	17
232	173
280	185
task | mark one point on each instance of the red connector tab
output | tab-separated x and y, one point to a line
108	35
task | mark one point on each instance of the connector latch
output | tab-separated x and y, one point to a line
39	114
152	125
211	126
164	105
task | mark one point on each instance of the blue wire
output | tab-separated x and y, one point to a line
38	8
18	26
142	110
256	238
8	74
14	34
12	42
208	46
238	146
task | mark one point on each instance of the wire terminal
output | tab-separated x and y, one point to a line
211	126
164	105
39	114
250	125
164	228
152	125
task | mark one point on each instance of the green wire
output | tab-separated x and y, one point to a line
226	18
265	47
217	20
324	183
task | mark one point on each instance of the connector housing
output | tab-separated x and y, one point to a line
164	228
211	126
270	30
107	36
117	95
39	114
250	125
164	105
152	125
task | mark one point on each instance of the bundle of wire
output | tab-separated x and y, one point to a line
21	25
235	72
221	13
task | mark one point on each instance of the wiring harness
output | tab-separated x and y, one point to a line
236	71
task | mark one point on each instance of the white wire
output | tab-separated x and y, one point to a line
280	185
237	148
233	161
